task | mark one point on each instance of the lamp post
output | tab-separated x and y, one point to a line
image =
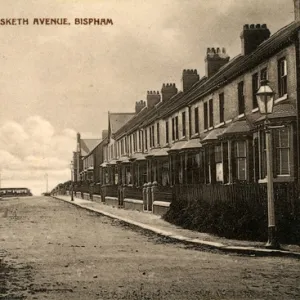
265	101
71	167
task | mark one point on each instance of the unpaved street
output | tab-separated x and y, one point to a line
52	250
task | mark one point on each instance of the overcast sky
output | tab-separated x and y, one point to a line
57	80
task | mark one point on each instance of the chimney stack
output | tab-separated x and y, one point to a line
78	137
168	91
297	10
189	78
104	134
214	60
139	105
252	36
152	98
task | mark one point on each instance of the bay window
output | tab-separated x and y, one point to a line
241	160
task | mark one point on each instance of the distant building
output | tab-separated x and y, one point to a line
15	192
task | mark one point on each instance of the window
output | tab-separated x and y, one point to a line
219	164
152	136
282	147
255	87
176	128
175	134
140	140
135	142
158	134
130	144
126	145
282	77
205	116
241	160
211	113
221	107
264	74
183	124
241	99
146	140
173	129
122	147
167	132
196	119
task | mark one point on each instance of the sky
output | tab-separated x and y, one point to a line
59	80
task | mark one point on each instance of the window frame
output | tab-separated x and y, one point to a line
241	98
282	74
221	107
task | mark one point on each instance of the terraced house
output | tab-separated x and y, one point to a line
211	132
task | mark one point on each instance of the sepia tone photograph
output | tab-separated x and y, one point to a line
150	149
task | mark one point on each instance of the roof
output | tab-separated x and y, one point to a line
242	63
238	127
137	156
88	145
282	110
235	67
213	134
117	120
192	144
177	146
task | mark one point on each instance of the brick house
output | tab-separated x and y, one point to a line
211	132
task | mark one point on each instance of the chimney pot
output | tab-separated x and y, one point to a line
152	99
252	36
168	91
214	60
297	10
189	78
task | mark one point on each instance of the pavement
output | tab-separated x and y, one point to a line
155	224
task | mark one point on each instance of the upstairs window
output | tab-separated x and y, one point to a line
196	119
221	107
211	113
183	124
152	136
176	129
146	139
255	87
264	74
167	132
205	116
140	139
282	77
135	142
241	98
173	129
158	134
175	135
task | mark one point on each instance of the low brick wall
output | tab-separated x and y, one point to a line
111	201
78	195
160	207
133	204
96	198
86	196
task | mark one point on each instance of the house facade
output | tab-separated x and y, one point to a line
209	133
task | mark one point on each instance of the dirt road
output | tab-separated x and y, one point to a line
52	250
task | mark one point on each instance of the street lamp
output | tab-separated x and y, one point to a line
71	167
265	101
